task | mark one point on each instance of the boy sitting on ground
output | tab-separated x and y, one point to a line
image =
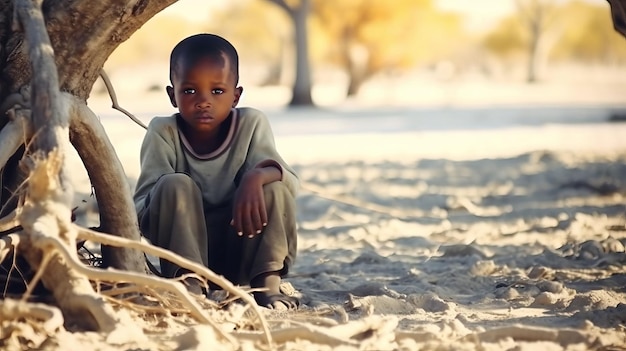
213	188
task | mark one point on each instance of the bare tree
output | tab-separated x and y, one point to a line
536	15
82	34
302	86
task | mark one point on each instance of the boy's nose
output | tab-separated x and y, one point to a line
203	101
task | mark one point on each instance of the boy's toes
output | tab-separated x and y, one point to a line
193	286
278	302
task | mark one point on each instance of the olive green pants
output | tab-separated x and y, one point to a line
176	219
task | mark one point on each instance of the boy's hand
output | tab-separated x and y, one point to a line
249	213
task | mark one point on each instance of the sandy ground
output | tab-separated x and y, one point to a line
507	238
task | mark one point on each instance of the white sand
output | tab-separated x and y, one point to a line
494	238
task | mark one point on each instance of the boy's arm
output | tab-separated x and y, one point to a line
263	165
249	211
157	157
262	153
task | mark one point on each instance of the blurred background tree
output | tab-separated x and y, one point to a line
536	17
349	43
544	32
589	36
268	31
262	34
367	37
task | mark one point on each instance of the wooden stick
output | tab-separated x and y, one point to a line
48	244
9	221
87	234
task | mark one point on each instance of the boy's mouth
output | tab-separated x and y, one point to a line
204	117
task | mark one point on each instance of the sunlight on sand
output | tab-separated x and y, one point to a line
494	228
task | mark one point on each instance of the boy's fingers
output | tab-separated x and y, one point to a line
263	214
257	223
236	222
247	225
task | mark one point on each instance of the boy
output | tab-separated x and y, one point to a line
212	186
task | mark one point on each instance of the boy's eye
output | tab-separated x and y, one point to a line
189	91
217	91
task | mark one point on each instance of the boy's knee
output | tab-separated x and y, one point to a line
276	189
174	182
277	194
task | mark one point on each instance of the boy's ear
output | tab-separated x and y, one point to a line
238	92
170	93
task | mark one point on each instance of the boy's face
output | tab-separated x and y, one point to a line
204	93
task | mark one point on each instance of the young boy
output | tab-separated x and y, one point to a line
212	186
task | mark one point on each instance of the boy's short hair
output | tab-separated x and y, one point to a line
198	46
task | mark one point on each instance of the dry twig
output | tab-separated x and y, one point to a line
199	269
115	105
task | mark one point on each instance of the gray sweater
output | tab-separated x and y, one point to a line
249	144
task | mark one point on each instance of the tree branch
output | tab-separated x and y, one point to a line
115	105
14	134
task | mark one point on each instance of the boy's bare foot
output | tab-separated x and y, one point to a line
193	285
272	298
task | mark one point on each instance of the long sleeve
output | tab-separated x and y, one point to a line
250	145
262	149
158	156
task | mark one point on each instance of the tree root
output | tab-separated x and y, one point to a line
518	332
49	244
50	317
9	222
355	202
116	208
8	243
82	298
14	134
26	325
200	270
305	332
371	333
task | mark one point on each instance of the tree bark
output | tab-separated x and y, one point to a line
302	85
301	91
83	34
534	13
46	213
534	27
106	173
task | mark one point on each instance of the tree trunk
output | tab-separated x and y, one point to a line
533	50
355	60
354	85
302	85
83	34
618	15
301	92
